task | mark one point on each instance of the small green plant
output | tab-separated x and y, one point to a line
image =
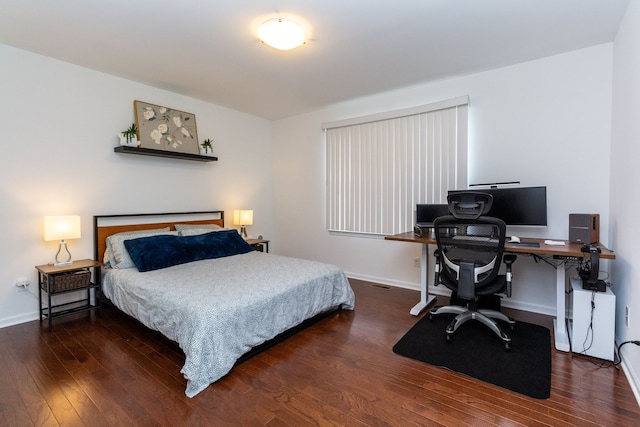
206	144
130	133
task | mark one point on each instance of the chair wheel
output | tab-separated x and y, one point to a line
512	326
507	346
431	317
448	338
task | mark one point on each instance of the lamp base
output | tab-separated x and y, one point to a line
243	231
68	261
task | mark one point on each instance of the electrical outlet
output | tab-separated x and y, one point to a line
22	284
416	262
626	316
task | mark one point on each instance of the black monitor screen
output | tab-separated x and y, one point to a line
426	214
519	205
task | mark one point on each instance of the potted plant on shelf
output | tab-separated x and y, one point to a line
205	148
129	137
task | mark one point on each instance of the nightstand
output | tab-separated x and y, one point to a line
57	280
259	245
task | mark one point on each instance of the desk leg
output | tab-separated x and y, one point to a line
425	298
559	323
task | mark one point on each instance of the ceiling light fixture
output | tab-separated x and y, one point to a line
281	34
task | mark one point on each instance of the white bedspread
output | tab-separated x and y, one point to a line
219	309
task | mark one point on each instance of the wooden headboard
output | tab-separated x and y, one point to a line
106	225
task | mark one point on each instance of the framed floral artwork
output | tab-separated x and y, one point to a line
164	128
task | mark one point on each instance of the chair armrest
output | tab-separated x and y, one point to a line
508	260
436	280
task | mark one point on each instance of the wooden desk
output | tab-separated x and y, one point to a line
560	255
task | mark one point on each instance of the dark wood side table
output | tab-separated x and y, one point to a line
57	280
260	245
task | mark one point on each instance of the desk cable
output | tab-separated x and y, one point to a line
537	258
636	342
589	337
585	348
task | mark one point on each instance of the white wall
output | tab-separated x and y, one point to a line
59	124
545	122
625	175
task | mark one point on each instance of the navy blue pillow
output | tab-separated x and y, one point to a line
156	252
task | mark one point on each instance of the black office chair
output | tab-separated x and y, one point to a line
468	259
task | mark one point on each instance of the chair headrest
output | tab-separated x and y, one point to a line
469	204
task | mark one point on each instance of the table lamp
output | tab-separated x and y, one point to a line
61	228
243	218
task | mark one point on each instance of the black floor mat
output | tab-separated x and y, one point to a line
477	352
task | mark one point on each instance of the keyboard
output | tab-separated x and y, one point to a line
489	239
523	244
473	238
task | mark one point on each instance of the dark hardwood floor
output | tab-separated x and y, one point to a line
108	370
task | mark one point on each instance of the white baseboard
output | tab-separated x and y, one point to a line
15	320
443	291
382	281
632	377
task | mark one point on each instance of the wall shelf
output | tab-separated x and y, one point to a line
162	153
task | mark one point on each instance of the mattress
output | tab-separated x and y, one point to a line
219	309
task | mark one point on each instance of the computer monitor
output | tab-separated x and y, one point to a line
427	213
519	206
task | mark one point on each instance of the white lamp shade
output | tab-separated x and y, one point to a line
281	34
243	217
61	227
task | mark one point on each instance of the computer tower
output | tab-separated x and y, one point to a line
584	228
592	327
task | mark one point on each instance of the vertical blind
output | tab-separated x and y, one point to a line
379	167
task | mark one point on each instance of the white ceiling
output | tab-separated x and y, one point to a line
208	49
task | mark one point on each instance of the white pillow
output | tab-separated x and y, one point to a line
117	253
197	231
210	227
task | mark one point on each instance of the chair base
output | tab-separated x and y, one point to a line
484	316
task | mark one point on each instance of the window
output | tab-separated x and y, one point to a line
379	167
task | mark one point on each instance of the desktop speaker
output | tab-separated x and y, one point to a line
584	228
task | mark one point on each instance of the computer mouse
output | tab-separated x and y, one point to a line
514	239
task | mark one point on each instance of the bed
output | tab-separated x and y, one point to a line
202	286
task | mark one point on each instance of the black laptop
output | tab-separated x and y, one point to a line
426	214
